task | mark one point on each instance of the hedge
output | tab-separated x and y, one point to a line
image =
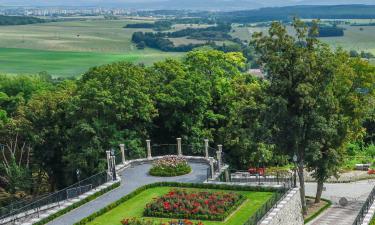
77	204
163	171
316	214
173	184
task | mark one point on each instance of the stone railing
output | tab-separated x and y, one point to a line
215	161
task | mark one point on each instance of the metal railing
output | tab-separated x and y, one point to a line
55	199
266	207
365	208
276	179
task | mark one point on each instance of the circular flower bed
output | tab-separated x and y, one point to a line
170	166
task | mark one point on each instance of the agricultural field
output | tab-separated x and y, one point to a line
70	48
355	38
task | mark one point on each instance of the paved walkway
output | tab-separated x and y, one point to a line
132	178
355	192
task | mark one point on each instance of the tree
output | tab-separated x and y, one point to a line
49	113
182	99
347	96
294	66
219	69
244	132
112	106
141	45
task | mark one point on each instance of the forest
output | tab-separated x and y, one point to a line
49	128
19	20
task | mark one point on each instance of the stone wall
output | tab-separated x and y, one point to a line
287	212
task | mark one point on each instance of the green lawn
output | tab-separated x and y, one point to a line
135	206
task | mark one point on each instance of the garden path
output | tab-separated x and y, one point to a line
355	192
132	178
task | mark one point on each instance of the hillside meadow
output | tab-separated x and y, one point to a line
69	48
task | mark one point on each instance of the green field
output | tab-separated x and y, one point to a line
70	48
134	207
66	64
354	38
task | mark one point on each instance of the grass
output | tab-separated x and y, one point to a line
69	48
66	64
134	207
354	38
314	210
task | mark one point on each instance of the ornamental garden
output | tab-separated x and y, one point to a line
170	166
188	204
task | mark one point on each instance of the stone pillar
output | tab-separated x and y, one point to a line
206	148
226	174
122	148
218	156
109	163
212	168
149	156
179	148
114	167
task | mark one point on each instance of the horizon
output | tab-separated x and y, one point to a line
220	5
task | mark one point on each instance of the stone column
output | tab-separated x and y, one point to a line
179	149
149	156
212	168
226	173
122	148
109	160
218	156
206	148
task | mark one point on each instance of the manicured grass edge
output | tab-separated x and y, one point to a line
320	211
172	184
78	204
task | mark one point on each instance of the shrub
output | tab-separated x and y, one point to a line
182	204
170	166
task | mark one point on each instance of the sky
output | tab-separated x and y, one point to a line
180	4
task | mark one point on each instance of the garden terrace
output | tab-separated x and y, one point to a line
249	201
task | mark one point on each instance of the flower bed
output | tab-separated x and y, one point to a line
179	203
136	221
170	166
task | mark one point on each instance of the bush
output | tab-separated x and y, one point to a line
170	166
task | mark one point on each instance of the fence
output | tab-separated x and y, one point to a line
54	199
266	207
238	176
365	208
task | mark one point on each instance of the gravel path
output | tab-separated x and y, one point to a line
132	178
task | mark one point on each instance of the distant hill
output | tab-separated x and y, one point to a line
19	20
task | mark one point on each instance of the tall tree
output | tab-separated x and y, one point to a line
182	99
112	106
50	115
347	96
293	65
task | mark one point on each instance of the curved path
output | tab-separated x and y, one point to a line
132	178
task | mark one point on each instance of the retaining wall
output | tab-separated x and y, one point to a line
288	211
